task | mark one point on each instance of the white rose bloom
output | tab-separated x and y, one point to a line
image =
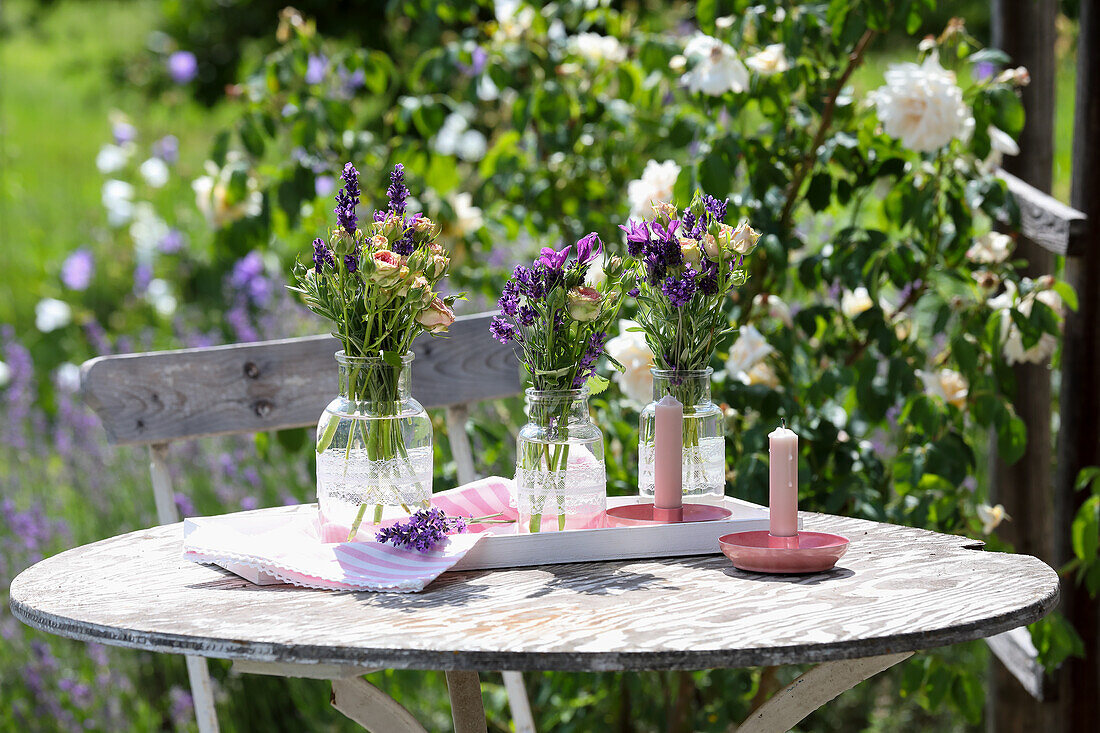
769	60
632	351
112	158
51	314
468	218
472	146
717	69
747	351
1014	351
947	384
513	18
67	377
922	105
487	90
774	307
155	172
447	140
5	374
854	302
596	48
160	297
118	199
147	230
654	186
761	373
991	516
990	248
212	194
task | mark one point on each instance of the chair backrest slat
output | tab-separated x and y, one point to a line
271	385
1045	220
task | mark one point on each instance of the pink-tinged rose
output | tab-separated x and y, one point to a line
420	290
437	317
583	303
387	267
710	246
379	242
689	250
742	240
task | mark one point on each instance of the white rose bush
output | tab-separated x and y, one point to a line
883	304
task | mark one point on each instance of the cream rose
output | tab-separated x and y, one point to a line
387	267
437	317
717	69
655	185
689	250
769	60
854	302
583	303
630	349
990	248
743	239
947	384
922	105
747	351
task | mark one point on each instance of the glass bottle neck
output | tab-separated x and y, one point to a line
372	380
690	387
558	408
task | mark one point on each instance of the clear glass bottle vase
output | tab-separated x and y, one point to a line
561	477
374	449
704	452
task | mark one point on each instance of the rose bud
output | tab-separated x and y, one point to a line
379	242
437	317
391	227
689	250
583	303
668	211
424	229
711	246
387	267
342	242
421	290
743	239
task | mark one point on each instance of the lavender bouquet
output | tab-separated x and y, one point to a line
557	312
377	285
686	264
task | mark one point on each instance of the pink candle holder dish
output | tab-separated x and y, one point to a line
763	552
641	515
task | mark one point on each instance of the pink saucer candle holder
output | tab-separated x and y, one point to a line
804	552
648	514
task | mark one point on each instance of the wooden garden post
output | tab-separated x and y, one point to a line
1079	434
1025	30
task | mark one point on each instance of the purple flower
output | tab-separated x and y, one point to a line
245	269
587	364
322	255
526	315
716	208
502	330
633	292
324	185
167	149
554	260
422	531
181	706
479	59
316	68
398	191
184	505
347	199
123	132
529	281
680	291
353	82
182	67
172	242
77	270
637	236
983	70
351	262
143	275
665	233
589	248
509	298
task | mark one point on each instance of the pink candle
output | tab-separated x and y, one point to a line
783	486
668	454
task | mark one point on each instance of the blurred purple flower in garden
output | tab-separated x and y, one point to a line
183	67
983	70
353	82
143	275
97	337
167	149
77	269
240	324
479	59
324	185
316	68
172	242
247	279
123	132
184	504
249	503
181	706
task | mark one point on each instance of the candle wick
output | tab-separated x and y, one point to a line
783	422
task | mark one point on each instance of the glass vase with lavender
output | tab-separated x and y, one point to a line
557	312
686	264
377	285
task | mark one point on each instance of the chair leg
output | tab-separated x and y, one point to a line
812	690
371	708
522	719
467	709
202	694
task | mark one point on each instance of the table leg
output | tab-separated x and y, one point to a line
371	708
467	710
812	690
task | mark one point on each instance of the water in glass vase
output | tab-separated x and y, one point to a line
374	450
561	477
704	451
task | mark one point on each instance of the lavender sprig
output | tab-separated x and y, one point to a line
347	198
427	528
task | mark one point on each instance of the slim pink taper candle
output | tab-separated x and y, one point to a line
668	455
783	484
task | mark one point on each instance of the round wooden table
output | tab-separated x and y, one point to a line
898	590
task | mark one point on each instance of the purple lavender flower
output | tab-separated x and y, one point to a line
637	236
167	149
679	291
353	82
665	233
172	242
183	67
634	292
123	132
479	59
587	364
322	255
316	68
184	504
422	531
181	706
983	70
509	298
502	330
716	208
347	199
554	260
143	275
529	281
245	269
77	270
351	262
398	192
589	248
324	185
526	315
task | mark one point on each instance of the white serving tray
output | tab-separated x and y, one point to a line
593	545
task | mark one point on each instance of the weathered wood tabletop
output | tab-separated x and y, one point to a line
898	589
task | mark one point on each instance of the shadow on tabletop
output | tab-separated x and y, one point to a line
836	573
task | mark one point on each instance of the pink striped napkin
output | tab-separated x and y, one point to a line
288	546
